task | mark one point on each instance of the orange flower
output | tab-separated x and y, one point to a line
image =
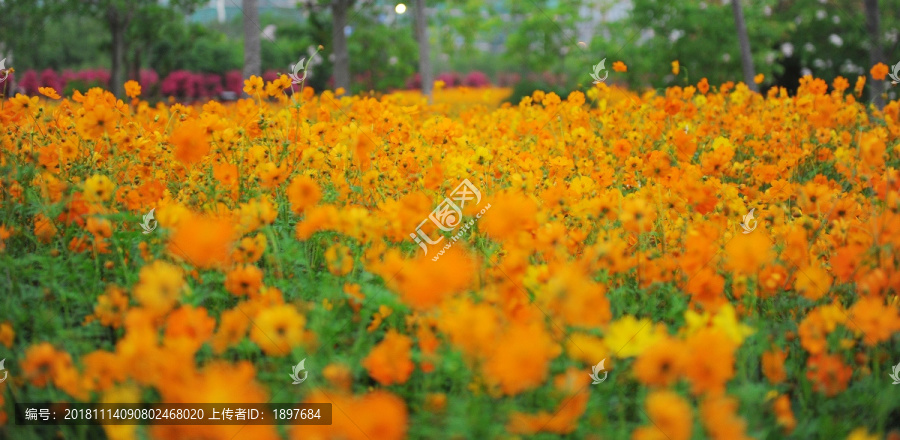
424	283
7	335
860	84
675	67
828	374
159	287
661	364
111	307
190	141
278	330
564	419
244	280
748	252
879	71
44	229
670	417
303	192
339	259
813	332
194	325
435	402
773	366
132	89
48	92
203	241
43	363
876	321
703	86
470	327
813	282
521	344
218	382
619	66
389	362
376	415
233	325
510	214
339	376
721	420
711	360
250	249
706	288
103	370
783	414
622	148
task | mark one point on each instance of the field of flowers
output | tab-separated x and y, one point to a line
731	258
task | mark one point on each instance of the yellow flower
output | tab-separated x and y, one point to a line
98	188
726	320
586	348
862	434
253	86
628	337
675	67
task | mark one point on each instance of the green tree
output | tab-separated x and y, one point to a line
119	15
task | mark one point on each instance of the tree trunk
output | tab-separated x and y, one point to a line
252	62
424	56
134	66
876	56
117	26
744	39
220	11
339	42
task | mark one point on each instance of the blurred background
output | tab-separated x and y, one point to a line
196	49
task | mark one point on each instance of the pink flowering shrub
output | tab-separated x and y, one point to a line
476	79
